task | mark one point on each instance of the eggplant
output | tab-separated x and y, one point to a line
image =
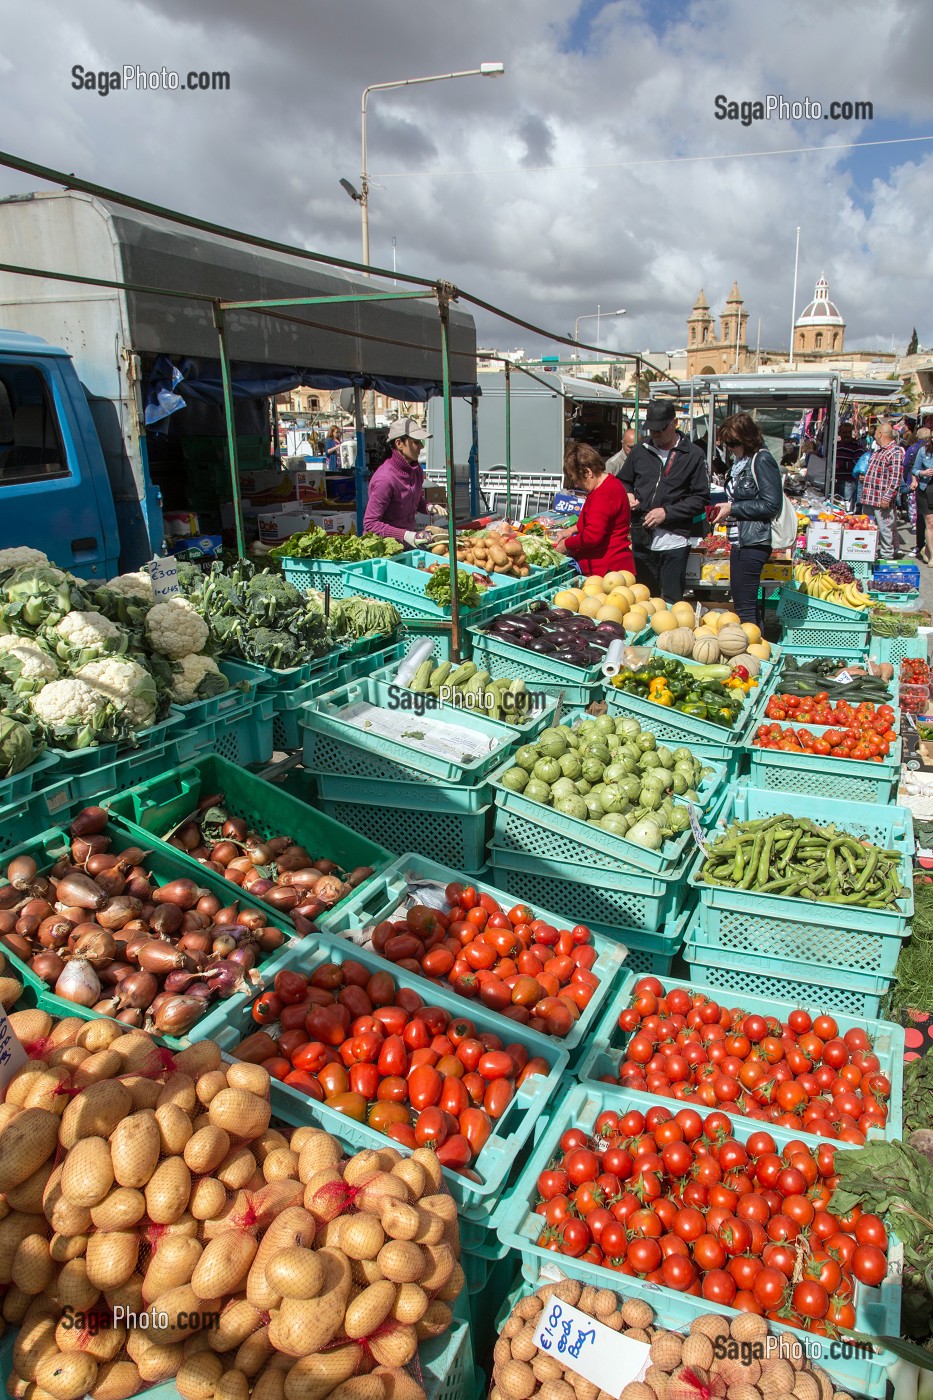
610	630
543	646
580	623
538	606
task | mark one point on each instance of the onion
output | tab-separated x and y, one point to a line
35	908
213	799
213	866
155	956
48	966
79	983
178	981
260	888
192	921
91	853
234	876
235	829
228	915
259	853
118	912
138	887
114	973
240	863
107	1007
310	908
96	947
138	989
166	919
303	879
357	876
222	945
139	925
184	893
132	857
197	941
54	931
294	858
223	852
131	1016
21	872
284	897
225	978
278	844
135	943
330	890
244	957
76	889
89	822
9	895
177	1014
200	989
271	938
28	925
207	905
111	881
325	867
252	918
7	921
189	836
17	944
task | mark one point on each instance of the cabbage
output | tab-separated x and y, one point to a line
547	770
527	756
646	833
572	806
552	743
515	779
17	749
623	763
586	729
538	791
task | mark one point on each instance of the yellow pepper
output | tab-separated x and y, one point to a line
659	692
734	683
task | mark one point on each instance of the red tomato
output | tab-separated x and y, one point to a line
719	1287
455	1153
424	1087
267	1008
869	1264
496	1065
497	1098
574	1237
581	1165
810	1299
431	1128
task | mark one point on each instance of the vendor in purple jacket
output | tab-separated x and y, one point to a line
396	491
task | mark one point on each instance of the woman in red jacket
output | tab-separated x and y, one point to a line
600	542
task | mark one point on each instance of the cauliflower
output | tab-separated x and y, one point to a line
197	678
20	554
28	667
138	585
176	629
87	629
74	714
9	640
128	686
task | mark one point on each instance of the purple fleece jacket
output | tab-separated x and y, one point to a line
396	495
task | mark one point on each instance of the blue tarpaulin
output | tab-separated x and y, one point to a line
171	384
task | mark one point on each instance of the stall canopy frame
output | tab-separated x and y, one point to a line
443	292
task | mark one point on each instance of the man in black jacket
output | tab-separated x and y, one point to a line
668	489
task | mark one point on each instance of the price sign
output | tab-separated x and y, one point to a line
844	678
12	1054
590	1348
164	576
696	829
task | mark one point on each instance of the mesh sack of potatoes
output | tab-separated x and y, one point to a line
156	1226
718	1359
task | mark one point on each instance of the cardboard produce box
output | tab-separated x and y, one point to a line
825	536
278	524
860	544
337	522
778	571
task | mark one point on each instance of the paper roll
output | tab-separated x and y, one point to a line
612	662
413	660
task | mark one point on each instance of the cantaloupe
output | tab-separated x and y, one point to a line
635	620
706	650
732	640
566	599
613	579
760	649
590	606
684	613
607	613
640	592
663	622
752	632
658	602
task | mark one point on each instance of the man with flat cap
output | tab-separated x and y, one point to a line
668	490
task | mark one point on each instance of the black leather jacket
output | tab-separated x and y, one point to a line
756	503
678	481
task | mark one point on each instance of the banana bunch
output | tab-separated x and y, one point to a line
819	585
471	689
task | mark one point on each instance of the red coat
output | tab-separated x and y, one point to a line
601	542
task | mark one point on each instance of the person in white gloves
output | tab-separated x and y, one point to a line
396	491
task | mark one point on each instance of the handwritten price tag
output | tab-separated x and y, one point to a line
696	829
590	1348
164	577
844	678
12	1054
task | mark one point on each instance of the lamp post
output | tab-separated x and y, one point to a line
593	316
793	308
485	70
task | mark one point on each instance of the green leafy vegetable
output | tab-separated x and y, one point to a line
17	749
438	589
317	544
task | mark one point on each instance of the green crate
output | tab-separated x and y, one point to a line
838	936
286	729
415	630
631	898
877	1309
897	649
648	952
849	993
243	736
606	1048
458	838
41	773
94	759
380	899
26	817
92	784
404	586
317	574
332	744
153	809
543	707
545	671
798	609
821	775
824	639
673	727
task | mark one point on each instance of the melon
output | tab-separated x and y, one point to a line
685	614
706	650
760	649
640	592
706	632
752	632
729	617
566	600
751	663
731	639
712	619
594	585
635	620
607	613
663	622
613	579
650	607
621	594
679	641
590	606
628	578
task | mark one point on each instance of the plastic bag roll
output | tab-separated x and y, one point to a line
612	662
413	660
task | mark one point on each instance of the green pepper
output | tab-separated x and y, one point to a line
724	716
673	667
680	689
692	707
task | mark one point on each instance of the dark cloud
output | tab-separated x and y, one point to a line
538	140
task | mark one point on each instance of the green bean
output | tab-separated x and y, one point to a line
752	871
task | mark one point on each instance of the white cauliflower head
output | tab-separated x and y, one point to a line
196	678
82	630
127	685
9	640
138	585
66	702
20	554
175	628
35	665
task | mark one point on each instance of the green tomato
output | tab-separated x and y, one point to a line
553	742
572	806
627	726
538	791
646	741
570	765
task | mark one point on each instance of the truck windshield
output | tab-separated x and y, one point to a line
30	444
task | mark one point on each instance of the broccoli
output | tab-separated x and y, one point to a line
269	648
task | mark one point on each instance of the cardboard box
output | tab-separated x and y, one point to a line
338	522
308	484
201	547
825	536
778	571
859	544
566	503
179	524
277	525
694	566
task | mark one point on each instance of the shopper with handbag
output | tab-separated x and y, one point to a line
760	517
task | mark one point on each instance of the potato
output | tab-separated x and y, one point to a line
111	1258
411	1303
135	1148
117	1380
143	1090
16	1304
179	1089
171	1264
209	1086
167	1191
395	1347
440	1266
173	1306
316	1152
402	1262
295	1227
206	1149
33	1266
254	1352
96	1035
314	1377
13	1230
240	1113
65	1247
66	1377
33	1341
400	1220
198	1375
73	1288
154	1363
48	1090
237	1168
199	1059
271	1141
224	1264
105	1064
295	1273
238	1321
26	1143
368	1310
280	1165
103	1347
95	1113
362	1167
208	1198
251	1077
30	1025
175	1129
427	1160
233	1385
87	1172
437	1320
29	1194
121	1209
362	1236
300	1326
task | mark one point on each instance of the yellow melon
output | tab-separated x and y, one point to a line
752	632
628	578
685	614
635	620
613	579
712	620
649	606
590	606
705	632
566	600
642	594
607	613
663	622
594	586
658	602
621	595
760	649
729	617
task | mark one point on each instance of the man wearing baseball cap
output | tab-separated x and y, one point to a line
668	488
396	491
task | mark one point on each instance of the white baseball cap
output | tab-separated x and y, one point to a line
407	428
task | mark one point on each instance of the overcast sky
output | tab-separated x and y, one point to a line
593	173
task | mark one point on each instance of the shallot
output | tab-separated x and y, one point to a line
78	982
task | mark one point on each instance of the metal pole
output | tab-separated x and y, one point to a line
221	323
637	377
364	182
443	308
508	441
359	470
474	457
793	309
394	265
598	309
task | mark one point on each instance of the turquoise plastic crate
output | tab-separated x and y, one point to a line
877	1309
90	785
383	895
509	1133
897	649
541	714
533	828
847	993
415	630
897	602
286	729
99	756
458	838
515	589
154	808
28	816
317	574
838	936
613	897
41	773
798	609
673	727
243	736
646	953
243	687
545	672
607	1042
333	744
404	586
821	775
825	639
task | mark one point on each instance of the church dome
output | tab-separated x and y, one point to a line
821	311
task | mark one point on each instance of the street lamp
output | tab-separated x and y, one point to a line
485	70
594	316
